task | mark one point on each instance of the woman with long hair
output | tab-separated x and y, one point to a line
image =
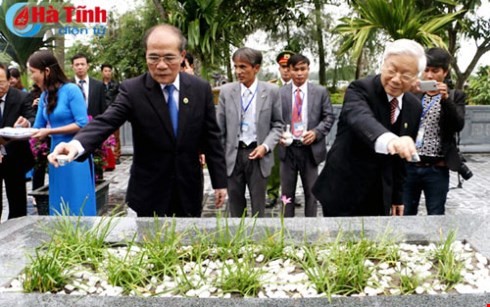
61	113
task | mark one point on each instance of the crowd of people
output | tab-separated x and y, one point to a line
394	139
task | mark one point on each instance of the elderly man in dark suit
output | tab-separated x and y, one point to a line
306	107
249	115
378	123
173	119
93	90
15	155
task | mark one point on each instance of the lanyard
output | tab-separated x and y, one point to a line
249	102
433	100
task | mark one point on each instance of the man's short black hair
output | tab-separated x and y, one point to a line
105	65
438	57
189	58
79	56
298	58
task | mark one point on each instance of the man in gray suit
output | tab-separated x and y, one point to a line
307	109
249	115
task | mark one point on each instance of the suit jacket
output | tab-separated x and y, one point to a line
354	172
19	156
451	122
97	103
320	118
111	90
268	118
162	163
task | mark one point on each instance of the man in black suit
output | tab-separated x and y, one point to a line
377	126
15	155
93	90
167	136
111	89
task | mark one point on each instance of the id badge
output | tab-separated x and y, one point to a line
299	128
244	126
420	137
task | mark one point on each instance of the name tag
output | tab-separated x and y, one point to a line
244	126
299	128
420	137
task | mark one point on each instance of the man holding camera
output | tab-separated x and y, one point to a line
441	119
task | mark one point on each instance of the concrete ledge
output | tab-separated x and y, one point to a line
19	237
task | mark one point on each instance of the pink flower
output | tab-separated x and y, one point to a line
285	200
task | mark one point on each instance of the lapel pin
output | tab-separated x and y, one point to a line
186	100
405	125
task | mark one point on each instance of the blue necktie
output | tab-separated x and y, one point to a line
172	107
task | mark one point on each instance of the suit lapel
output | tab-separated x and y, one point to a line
7	106
236	98
311	108
184	107
159	104
289	103
408	122
383	105
260	101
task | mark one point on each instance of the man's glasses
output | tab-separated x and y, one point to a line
168	59
4	82
391	73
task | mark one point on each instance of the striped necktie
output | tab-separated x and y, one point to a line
393	107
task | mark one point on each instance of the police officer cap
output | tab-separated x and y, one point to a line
283	57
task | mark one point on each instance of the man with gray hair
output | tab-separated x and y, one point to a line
364	172
249	115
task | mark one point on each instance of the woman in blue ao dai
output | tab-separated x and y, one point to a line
62	112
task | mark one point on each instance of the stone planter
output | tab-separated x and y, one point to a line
42	197
20	237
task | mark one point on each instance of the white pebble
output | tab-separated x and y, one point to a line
260	258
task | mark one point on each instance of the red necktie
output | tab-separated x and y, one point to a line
296	116
393	107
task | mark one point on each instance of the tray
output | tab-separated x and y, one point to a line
17	133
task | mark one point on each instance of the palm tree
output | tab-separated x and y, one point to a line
394	19
208	30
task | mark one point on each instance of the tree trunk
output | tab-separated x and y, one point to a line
321	48
461	77
160	10
359	65
59	49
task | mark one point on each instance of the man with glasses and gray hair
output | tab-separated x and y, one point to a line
364	172
173	119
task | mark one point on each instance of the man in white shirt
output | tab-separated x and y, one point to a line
249	116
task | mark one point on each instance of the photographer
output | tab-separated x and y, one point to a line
441	119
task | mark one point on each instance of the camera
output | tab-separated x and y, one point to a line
465	171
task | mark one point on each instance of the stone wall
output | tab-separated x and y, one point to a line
475	136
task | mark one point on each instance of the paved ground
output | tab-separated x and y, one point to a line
472	197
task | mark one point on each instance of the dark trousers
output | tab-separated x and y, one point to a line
299	159
274	181
38	176
15	187
434	181
246	174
